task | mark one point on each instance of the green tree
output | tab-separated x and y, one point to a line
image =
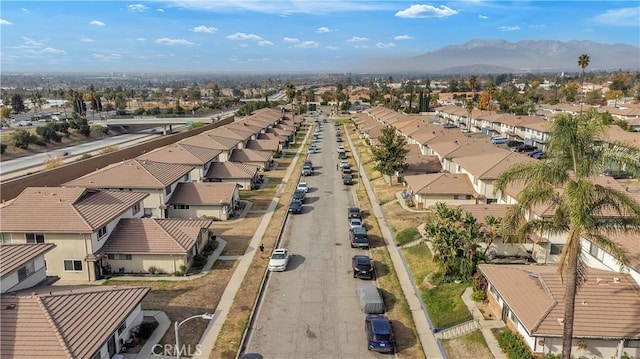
564	181
391	153
17	103
583	62
22	138
290	91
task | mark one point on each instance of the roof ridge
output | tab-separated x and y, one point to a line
143	164
496	163
157	221
54	326
84	220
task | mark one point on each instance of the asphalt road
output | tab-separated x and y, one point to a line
311	310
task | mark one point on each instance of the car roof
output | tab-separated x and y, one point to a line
380	324
359	230
354	209
362	258
280	250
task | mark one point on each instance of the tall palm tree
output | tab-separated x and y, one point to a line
491	90
469	107
583	62
290	90
582	208
473	82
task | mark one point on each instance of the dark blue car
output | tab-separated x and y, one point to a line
379	334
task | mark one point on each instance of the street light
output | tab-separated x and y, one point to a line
177	325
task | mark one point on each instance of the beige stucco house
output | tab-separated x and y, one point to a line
201	158
428	189
244	175
23	265
204	200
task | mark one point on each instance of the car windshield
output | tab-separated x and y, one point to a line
363	262
278	256
381	337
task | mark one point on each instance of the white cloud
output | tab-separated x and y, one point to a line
107	57
422	11
322	30
483	17
30	41
243	36
85	39
171	42
290	39
619	17
403	37
537	26
203	28
285	8
382	45
160	10
26	11
51	50
361	47
5	22
331	47
357	39
137	8
265	43
97	23
140	39
307	45
509	28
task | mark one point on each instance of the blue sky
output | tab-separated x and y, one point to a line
282	36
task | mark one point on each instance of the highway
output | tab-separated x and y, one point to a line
311	310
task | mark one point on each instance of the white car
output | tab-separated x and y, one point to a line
340	148
313	149
302	186
355	222
279	260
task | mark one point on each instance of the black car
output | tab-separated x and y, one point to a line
354	212
347	180
379	334
346	170
342	155
339	139
362	267
525	148
295	206
514	143
299	196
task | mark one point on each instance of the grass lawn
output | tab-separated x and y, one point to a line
407	235
471	345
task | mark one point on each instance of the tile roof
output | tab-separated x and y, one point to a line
482	211
65	209
464	147
228	132
134	173
208	140
440	183
232	170
616	134
182	153
248	155
264	145
630	243
154	236
490	166
14	256
535	294
56	323
272	136
203	193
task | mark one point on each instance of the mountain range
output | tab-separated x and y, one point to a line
499	56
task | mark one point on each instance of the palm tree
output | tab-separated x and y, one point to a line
491	90
469	106
473	82
583	62
492	227
290	90
565	181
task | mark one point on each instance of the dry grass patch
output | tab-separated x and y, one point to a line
182	299
472	345
237	234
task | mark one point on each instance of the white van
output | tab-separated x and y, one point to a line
498	140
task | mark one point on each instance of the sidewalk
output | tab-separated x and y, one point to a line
485	325
423	328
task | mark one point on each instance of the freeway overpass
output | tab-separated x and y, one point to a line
165	122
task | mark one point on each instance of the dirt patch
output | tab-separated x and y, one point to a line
485	309
464	348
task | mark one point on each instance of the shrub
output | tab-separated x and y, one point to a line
153	270
559	356
146	329
109	149
479	296
199	260
513	345
84	157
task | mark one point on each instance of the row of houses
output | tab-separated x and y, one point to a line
464	165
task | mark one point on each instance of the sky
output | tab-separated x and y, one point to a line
282	36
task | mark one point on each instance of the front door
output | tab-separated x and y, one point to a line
111	345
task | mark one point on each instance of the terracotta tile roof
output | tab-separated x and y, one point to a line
615	133
182	153
134	173
281	130
490	166
14	256
233	133
272	136
419	162
154	236
540	126
264	145
232	170
63	324
466	147
246	126
630	242
209	141
248	155
65	209
482	211
535	294
203	193
440	183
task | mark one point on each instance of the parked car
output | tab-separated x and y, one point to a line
537	154
342	156
313	149
338	139
525	148
499	140
617	174
279	260
341	148
307	171
355	222
514	143
362	267
354	212
370	299
379	334
309	164
347	180
358	238
346	170
299	195
449	125
303	186
295	206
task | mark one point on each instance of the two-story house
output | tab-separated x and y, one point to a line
23	265
201	158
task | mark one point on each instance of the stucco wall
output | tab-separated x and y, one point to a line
140	263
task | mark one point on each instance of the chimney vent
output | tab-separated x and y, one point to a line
10	306
616	280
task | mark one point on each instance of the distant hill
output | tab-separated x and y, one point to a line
499	56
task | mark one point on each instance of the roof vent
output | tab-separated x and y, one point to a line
10	306
560	321
584	302
616	280
598	280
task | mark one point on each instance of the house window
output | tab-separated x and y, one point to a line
180	206
167	190
513	318
119	256
493	291
596	251
462	196
122	327
136	208
5	237
35	237
97	355
26	271
102	231
72	265
556	248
